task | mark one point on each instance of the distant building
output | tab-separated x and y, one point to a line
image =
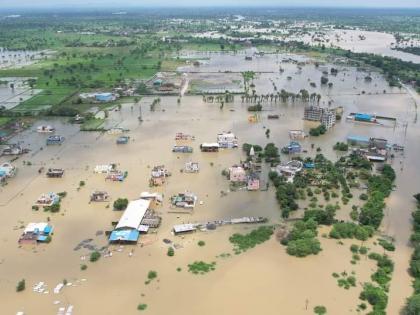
104	97
324	115
36	232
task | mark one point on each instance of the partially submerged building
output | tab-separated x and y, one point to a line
7	170
99	196
158	175
227	140
297	134
289	170
292	148
52	140
184	200
209	147
237	174
182	149
36	233
192	167
129	226
253	182
47	200
55	172
325	116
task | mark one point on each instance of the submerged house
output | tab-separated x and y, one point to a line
184	137
158	175
99	196
209	147
253	183
51	140
129	226
184	200
237	174
289	170
13	149
227	140
36	233
192	167
7	170
47	200
182	149
55	172
292	148
155	197
123	140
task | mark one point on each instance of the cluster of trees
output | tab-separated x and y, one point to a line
379	187
286	194
341	146
302	240
413	303
121	204
243	242
283	96
351	230
376	293
270	152
317	131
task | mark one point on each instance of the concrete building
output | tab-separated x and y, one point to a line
324	115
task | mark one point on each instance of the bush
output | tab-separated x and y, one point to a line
201	243
21	286
121	204
320	310
83	267
142	307
200	267
170	252
152	275
94	256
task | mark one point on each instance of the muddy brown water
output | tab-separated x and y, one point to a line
264	279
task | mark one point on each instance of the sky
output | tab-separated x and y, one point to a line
176	3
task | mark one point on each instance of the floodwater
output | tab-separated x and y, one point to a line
20	58
264	279
9	97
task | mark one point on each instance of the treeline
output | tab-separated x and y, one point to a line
413	303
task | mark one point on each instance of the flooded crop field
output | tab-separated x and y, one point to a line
116	283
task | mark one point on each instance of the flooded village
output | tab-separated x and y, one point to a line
145	212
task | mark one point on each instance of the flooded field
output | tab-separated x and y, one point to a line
265	279
20	58
11	97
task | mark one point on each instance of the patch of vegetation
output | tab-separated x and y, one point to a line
317	131
201	243
121	204
94	256
302	240
170	252
142	307
21	286
244	242
201	267
341	146
389	246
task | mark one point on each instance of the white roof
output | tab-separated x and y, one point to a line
103	168
133	215
148	195
31	227
215	144
184	227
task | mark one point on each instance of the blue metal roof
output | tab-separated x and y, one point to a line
358	138
124	235
361	116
